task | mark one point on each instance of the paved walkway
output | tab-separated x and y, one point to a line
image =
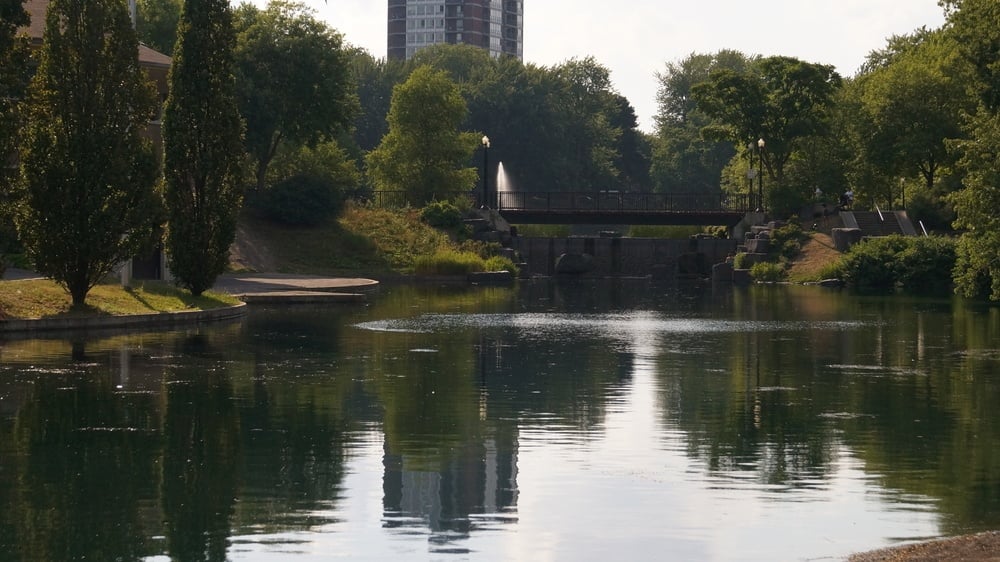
257	283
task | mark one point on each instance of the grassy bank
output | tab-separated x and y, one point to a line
30	299
363	241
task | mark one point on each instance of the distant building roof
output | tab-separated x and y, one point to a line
36	29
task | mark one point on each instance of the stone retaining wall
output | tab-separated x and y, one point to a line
624	256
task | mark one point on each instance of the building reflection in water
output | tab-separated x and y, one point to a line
474	488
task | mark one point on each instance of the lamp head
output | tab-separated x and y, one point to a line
486	141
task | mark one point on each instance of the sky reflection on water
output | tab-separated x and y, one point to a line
491	425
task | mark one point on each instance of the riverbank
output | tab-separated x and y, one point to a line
981	547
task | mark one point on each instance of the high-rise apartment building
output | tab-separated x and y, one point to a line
494	25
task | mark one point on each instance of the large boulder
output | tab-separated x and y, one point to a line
844	238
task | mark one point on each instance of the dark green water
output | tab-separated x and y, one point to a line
591	421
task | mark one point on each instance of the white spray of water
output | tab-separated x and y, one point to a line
503	182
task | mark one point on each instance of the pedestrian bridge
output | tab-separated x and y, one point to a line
610	207
603	207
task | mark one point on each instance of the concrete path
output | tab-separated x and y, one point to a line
275	287
265	282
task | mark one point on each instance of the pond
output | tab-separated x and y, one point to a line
591	420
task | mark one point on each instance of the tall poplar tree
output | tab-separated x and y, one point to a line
13	81
88	171
202	137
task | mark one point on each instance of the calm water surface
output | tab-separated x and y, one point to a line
558	422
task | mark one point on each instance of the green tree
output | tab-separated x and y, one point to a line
157	23
13	73
88	173
973	25
978	269
375	79
13	80
201	135
778	99
911	107
781	100
424	152
683	160
294	80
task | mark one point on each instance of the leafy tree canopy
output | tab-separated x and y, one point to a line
294	80
157	23
424	152
88	172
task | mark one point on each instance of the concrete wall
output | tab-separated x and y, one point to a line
623	256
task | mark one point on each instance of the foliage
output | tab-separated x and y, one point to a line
683	160
662	231
740	261
786	241
914	264
767	272
308	185
976	207
201	135
910	108
299	200
443	215
293	78
88	200
543	230
973	27
424	152
500	263
156	23
14	78
374	79
779	99
930	209
449	262
396	236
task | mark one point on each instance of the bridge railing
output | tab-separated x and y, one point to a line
610	201
603	201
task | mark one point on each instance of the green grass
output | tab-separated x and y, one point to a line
362	240
30	299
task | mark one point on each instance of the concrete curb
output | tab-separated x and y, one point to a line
163	319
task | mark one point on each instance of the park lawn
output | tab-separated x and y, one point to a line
42	298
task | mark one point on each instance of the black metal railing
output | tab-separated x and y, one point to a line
602	201
607	201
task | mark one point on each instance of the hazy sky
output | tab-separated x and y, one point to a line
636	38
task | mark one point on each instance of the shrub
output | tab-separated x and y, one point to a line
663	231
302	200
298	176
544	230
926	265
786	241
500	263
767	271
443	215
740	261
448	262
920	265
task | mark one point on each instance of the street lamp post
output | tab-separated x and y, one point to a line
486	171
760	172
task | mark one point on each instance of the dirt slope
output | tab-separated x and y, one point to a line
816	253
